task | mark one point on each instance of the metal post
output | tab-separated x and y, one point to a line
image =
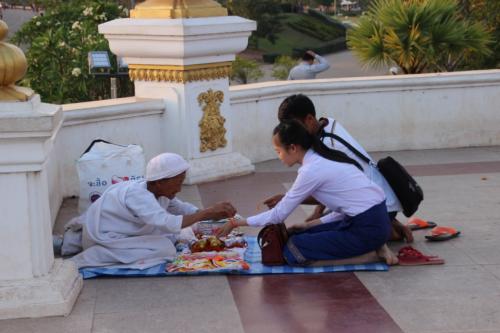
114	88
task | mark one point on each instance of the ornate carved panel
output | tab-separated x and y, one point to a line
212	130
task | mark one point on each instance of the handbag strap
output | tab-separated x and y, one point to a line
279	228
260	236
347	144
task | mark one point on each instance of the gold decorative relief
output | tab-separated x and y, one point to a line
212	131
180	74
174	9
13	66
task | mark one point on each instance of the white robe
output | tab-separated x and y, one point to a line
128	227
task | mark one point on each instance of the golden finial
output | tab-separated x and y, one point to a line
178	9
13	66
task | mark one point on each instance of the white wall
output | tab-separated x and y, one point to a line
407	112
122	121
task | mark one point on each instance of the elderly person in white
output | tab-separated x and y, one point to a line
134	224
308	69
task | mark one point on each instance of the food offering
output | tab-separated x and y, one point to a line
212	243
209	253
208	244
210	227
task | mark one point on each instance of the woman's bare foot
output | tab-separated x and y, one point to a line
400	232
387	255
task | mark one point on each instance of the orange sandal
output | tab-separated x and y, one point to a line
416	223
408	256
442	234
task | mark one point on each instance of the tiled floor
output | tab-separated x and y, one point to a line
309	303
462	189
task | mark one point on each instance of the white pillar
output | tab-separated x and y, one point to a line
187	62
32	283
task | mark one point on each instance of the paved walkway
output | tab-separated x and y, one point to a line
462	189
15	18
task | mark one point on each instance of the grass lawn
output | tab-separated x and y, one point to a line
289	38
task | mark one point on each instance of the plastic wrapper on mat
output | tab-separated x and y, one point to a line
208	262
210	227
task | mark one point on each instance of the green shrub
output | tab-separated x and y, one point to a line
336	45
322	30
286	7
419	36
245	70
58	43
327	19
270	58
282	67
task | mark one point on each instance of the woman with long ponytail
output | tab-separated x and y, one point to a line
358	223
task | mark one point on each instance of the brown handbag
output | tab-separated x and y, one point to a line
272	239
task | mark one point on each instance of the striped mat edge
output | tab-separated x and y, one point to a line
252	256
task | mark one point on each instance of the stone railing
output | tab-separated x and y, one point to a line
430	111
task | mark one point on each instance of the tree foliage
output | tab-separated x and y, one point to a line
488	13
418	36
245	70
262	11
58	43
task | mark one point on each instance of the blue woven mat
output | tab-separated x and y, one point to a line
252	256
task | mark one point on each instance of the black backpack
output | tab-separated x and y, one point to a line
402	183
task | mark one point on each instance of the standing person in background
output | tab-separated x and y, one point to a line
308	69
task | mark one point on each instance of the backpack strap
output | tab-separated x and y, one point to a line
348	145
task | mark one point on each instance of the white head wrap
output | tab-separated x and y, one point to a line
165	165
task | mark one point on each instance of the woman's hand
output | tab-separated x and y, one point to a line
273	201
229	226
318	212
225	229
299	227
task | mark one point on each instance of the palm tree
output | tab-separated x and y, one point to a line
417	35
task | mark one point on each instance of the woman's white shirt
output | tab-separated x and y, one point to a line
340	187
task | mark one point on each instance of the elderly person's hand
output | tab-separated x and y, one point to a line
221	210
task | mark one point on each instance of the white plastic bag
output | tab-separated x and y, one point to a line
104	164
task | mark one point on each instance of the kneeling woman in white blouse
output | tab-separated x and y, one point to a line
359	222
